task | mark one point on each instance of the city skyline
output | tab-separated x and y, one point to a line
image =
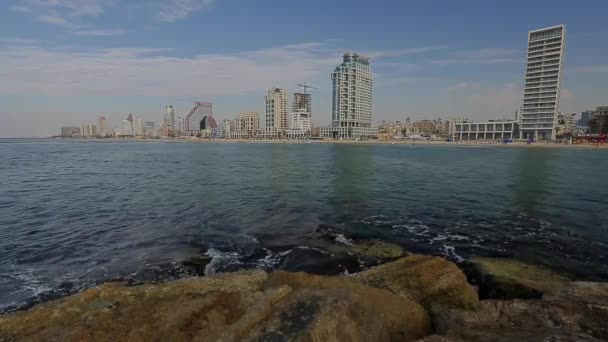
66	70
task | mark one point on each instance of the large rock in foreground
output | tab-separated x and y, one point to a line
523	320
432	281
512	279
242	306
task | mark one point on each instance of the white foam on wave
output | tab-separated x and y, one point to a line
220	259
450	252
340	238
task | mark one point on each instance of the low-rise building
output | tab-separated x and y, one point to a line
344	133
489	130
69	132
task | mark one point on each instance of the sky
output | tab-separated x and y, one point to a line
67	62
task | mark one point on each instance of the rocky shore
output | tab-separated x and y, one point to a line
413	298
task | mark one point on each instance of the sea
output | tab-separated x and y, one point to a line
76	213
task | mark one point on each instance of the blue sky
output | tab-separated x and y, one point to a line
66	62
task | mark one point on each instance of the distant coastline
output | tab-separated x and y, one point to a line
549	145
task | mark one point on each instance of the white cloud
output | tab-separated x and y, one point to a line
53	20
481	56
99	32
70	8
174	10
405	52
20	9
155	72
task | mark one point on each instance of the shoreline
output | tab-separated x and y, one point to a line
541	145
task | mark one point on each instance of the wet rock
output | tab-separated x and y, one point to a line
377	249
244	306
318	261
197	264
329	232
173	311
511	279
346	310
432	281
439	338
522	320
585	292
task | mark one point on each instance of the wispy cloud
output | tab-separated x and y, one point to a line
23	9
99	32
405	52
481	56
174	10
156	72
19	41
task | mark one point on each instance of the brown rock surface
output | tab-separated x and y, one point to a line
243	306
351	311
432	281
522	320
512	279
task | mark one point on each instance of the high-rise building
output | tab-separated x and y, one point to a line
585	117
127	125
352	85
200	118
276	109
139	127
302	101
101	126
169	120
539	114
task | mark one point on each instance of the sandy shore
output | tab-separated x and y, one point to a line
549	145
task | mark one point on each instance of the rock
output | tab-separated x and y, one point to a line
511	279
243	306
329	232
521	320
173	311
345	310
318	261
439	338
377	249
432	281
197	264
585	292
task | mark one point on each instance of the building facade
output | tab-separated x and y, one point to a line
352	85
302	101
490	130
69	132
88	131
199	118
138	127
276	109
583	122
102	129
246	125
352	88
169	120
538	115
598	124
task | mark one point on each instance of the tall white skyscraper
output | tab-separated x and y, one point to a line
352	85
538	116
276	109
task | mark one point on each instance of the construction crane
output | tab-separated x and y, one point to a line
306	86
